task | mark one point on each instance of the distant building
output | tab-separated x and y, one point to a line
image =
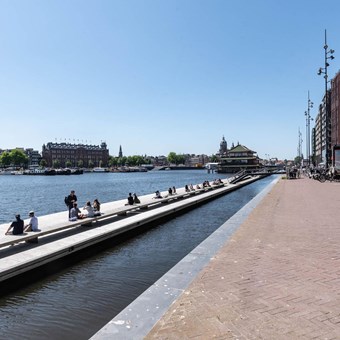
223	147
34	158
238	158
197	161
120	154
335	112
75	155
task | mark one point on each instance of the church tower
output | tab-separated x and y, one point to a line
223	147
120	154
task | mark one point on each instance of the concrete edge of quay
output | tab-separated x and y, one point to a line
138	318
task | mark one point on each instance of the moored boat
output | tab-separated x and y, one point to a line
99	169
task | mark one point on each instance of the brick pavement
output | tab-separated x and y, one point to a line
278	277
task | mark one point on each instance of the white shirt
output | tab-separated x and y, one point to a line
34	223
90	211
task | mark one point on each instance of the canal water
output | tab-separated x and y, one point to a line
75	302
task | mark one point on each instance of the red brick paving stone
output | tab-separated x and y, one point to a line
277	278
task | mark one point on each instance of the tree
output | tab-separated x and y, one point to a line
43	163
172	158
213	158
18	157
68	163
91	164
5	159
56	163
298	160
180	159
80	163
113	161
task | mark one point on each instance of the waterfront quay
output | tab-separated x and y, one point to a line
270	272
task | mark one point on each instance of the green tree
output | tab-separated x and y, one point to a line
172	158
18	157
68	163
180	159
91	164
43	163
80	163
122	160
298	160
113	161
56	163
213	158
5	159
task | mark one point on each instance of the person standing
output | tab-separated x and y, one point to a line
17	226
33	223
69	200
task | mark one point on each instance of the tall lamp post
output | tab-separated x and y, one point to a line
308	119
323	70
299	148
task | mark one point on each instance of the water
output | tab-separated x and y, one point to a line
76	302
45	194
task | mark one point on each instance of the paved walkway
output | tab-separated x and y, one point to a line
277	278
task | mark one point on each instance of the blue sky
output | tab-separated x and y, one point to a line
162	76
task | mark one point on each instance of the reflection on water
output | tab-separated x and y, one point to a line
76	302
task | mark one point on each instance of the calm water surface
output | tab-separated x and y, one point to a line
45	194
76	302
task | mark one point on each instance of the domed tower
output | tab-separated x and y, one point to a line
223	147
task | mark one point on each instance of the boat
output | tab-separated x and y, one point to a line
99	169
9	171
49	172
17	172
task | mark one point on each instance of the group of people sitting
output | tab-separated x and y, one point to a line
171	191
132	199
190	187
92	210
18	226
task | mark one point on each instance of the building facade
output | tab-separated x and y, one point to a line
326	132
238	158
75	155
322	143
34	158
335	110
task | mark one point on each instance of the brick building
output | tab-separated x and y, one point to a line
77	155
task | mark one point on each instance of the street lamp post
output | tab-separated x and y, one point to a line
323	70
308	119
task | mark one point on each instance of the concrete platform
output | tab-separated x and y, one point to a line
270	272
